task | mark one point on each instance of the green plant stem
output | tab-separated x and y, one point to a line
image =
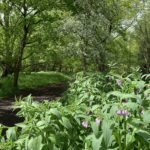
125	129
119	138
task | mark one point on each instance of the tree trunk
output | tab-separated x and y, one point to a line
16	77
54	67
7	66
101	65
23	42
84	62
60	68
7	70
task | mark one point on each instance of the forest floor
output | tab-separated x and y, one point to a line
49	92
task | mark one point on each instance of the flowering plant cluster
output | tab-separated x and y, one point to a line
101	112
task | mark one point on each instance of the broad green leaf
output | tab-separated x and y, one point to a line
131	105
146	117
41	124
147	93
66	123
96	142
35	143
21	125
95	107
95	129
11	133
52	138
145	135
107	133
55	112
129	139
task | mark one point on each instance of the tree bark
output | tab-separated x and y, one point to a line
6	70
23	43
6	64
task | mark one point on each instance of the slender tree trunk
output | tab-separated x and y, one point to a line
18	64
101	64
54	66
6	70
60	68
84	62
7	64
23	42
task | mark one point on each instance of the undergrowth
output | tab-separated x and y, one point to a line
100	112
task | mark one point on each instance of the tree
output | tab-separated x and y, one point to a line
98	24
20	22
142	30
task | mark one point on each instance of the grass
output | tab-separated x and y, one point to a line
30	81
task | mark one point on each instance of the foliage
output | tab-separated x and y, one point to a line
70	36
102	112
142	37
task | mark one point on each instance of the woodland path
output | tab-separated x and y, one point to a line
50	92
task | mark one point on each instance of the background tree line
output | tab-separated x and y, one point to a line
73	35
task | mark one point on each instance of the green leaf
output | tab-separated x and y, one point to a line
11	133
114	93
147	93
146	117
107	133
66	123
145	135
52	137
55	112
95	107
130	139
131	105
35	143
121	95
41	124
95	129
21	125
96	142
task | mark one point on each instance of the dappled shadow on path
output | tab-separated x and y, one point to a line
50	92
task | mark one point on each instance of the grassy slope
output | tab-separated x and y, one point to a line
28	81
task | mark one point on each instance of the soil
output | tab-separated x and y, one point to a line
8	116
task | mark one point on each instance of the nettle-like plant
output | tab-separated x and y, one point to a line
101	112
50	126
124	110
88	89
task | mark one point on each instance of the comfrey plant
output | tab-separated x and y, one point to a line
99	114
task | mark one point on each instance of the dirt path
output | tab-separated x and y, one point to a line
50	92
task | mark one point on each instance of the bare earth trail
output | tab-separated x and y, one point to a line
50	92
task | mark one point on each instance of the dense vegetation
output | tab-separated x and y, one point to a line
102	47
73	35
112	113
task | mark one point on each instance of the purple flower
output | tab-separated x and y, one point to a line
85	124
123	113
98	121
142	112
119	112
119	82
